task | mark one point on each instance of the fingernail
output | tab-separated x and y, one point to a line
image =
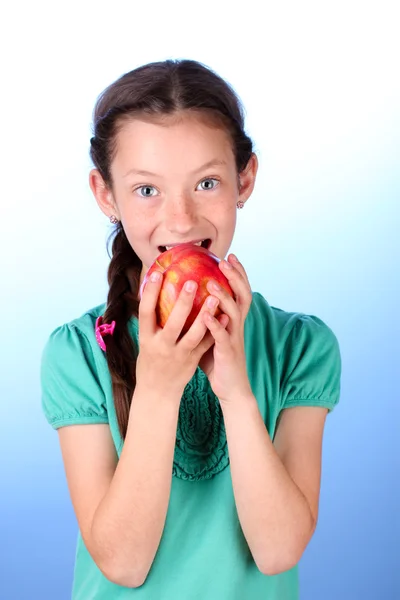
235	258
215	286
227	264
190	286
156	276
212	302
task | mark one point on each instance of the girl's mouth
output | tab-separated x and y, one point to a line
204	244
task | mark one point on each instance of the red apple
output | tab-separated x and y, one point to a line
180	264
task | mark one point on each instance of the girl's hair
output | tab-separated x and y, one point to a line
151	91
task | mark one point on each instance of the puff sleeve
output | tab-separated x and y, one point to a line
311	369
70	389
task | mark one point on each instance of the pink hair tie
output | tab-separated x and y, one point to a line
103	329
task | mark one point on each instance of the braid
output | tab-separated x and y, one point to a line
122	302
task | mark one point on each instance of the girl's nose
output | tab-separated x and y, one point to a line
180	215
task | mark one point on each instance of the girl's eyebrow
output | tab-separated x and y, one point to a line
215	162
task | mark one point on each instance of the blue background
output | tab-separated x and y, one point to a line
320	235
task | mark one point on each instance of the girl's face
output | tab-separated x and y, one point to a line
175	181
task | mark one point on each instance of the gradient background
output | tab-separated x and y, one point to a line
320	83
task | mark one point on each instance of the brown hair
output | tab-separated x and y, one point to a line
153	90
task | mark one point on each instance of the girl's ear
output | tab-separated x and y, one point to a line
247	178
103	194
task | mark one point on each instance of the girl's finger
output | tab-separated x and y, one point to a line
223	320
196	333
147	305
208	339
226	303
239	283
219	333
234	261
180	312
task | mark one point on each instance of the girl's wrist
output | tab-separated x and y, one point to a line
242	401
150	394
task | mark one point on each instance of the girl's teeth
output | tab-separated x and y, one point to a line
195	244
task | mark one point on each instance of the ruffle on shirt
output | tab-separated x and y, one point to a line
201	449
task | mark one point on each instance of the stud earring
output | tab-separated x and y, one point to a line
114	219
240	204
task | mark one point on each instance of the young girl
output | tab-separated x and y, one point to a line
193	462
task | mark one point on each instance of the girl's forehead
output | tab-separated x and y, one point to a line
173	126
188	141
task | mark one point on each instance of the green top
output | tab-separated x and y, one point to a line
293	359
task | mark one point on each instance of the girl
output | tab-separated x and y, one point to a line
193	462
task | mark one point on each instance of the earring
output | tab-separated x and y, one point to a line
114	219
240	204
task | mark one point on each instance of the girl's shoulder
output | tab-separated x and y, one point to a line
70	373
284	323
84	324
302	348
73	337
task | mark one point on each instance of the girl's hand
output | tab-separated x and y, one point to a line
225	363
163	362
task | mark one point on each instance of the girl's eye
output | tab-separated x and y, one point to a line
208	184
146	191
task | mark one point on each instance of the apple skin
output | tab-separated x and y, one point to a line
180	264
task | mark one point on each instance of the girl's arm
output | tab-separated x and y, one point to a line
276	485
121	505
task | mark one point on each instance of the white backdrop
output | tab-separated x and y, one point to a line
320	85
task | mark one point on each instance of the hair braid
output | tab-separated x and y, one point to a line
122	303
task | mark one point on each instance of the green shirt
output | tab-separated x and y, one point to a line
293	359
